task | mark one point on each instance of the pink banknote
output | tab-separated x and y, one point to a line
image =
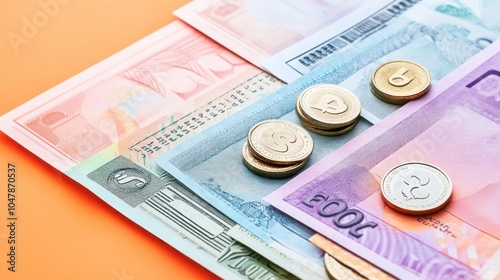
456	127
162	78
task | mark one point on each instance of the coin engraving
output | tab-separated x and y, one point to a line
280	142
331	104
398	79
416	188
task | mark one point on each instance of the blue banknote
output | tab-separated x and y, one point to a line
327	44
440	44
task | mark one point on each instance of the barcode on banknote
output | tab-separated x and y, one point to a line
187	215
174	132
314	57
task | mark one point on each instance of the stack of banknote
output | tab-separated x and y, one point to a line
157	132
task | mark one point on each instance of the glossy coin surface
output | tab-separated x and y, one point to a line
400	81
264	169
329	106
338	271
280	142
416	188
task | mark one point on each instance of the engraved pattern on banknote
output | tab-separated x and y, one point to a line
178	76
251	265
192	63
459	9
185	214
257	212
314	57
167	136
179	209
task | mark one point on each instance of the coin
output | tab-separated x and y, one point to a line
400	81
331	132
329	106
338	271
416	188
264	169
280	142
314	128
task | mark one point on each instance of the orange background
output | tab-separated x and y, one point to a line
64	231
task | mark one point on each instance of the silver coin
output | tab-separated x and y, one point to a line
416	188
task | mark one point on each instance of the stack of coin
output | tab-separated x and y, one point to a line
416	188
400	81
277	149
328	109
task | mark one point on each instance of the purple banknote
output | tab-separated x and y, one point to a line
455	127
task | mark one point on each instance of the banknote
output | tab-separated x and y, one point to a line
168	75
423	32
433	37
439	22
210	163
104	126
326	44
256	33
445	31
456	128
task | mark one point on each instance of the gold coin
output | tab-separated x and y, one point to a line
400	81
331	132
265	169
303	118
338	271
280	142
416	188
329	106
384	98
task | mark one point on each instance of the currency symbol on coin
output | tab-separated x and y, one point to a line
415	187
279	141
331	104
398	79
